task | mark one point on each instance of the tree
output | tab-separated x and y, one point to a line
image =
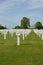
38	25
2	27
42	27
25	23
17	27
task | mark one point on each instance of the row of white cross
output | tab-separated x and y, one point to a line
18	32
39	32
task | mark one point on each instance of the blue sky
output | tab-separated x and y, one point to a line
12	11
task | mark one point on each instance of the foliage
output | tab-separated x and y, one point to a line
42	27
38	25
17	27
2	27
25	23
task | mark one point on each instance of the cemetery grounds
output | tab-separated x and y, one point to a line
30	51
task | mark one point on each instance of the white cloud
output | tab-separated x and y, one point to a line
9	4
32	4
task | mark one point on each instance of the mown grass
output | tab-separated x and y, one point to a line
30	51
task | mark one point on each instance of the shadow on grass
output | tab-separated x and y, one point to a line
1	44
26	44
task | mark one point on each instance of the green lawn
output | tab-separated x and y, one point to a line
30	51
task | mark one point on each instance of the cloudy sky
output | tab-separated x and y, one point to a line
12	11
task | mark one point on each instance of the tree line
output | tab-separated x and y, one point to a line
25	24
3	27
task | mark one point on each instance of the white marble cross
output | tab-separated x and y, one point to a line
18	38
4	32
